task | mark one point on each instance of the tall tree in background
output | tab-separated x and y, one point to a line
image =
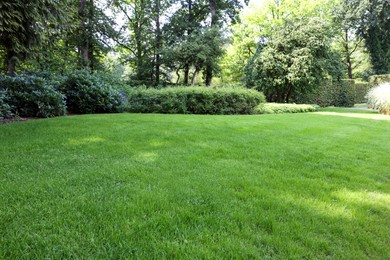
182	34
158	40
374	27
348	39
142	37
22	24
295	60
194	30
94	32
220	11
258	21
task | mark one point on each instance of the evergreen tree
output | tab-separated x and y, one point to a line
22	24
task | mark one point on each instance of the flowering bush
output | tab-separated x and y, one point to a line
379	98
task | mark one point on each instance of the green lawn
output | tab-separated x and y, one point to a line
178	186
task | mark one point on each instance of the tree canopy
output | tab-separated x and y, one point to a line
162	42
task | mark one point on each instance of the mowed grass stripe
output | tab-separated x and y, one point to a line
179	186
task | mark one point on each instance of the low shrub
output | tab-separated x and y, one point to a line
86	93
278	108
5	108
194	100
31	96
379	98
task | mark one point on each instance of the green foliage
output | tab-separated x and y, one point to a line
199	50
378	79
258	22
31	96
332	93
373	24
280	108
86	93
379	98
194	100
22	25
349	43
5	108
294	62
361	89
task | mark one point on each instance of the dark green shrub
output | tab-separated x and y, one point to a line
30	96
361	89
344	93
194	100
5	108
280	108
332	93
86	93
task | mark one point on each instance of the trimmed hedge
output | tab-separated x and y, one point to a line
344	93
86	93
30	96
361	89
194	100
279	108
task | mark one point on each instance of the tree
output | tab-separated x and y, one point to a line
219	11
198	23
142	38
374	27
181	34
258	22
295	60
93	34
348	40
21	25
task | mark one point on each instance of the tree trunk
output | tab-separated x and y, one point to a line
11	62
349	67
178	76
139	61
189	32
288	96
348	61
186	74
209	75
194	76
214	20
84	41
158	42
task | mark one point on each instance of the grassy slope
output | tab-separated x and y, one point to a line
280	186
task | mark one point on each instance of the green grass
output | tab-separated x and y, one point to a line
182	186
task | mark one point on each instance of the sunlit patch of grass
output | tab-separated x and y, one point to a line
87	140
286	186
354	110
371	199
356	115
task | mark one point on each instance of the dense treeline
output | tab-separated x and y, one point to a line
285	48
